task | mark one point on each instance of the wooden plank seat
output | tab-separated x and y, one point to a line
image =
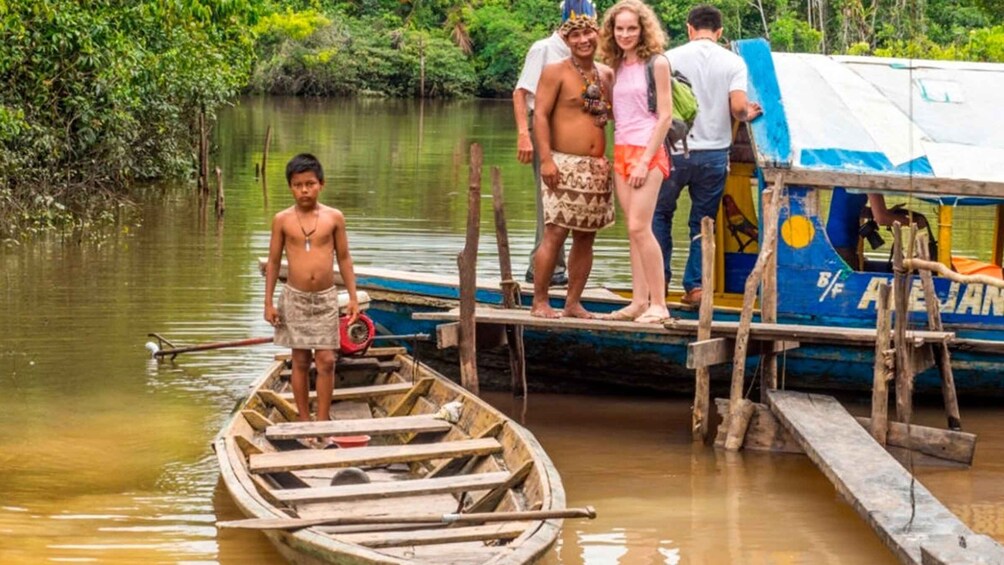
505	531
371	426
389	489
357	392
349	364
363	456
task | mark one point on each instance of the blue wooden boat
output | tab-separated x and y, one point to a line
928	134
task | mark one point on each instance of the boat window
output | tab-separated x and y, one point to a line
867	246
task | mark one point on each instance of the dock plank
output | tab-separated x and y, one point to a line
865	337
393	489
868	478
373	427
359	456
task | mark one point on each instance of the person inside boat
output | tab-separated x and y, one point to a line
858	215
312	235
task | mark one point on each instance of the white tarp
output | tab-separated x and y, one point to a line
893	116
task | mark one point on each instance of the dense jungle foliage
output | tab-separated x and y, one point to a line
99	93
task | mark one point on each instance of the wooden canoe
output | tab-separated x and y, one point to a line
416	465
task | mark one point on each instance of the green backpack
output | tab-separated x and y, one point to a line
684	106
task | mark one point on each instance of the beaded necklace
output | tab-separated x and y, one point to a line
593	99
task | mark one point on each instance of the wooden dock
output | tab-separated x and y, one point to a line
865	337
878	487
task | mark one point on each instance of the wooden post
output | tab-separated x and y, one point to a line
768	297
220	205
702	386
998	253
942	356
467	262
264	162
746	316
510	289
421	71
203	168
901	297
879	426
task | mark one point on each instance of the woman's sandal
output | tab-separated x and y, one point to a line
622	315
652	318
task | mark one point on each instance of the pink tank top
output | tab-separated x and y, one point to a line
633	123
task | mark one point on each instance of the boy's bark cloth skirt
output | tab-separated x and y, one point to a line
583	199
308	320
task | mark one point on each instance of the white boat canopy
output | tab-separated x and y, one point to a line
933	127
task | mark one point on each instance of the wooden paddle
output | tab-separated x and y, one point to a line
297	523
173	351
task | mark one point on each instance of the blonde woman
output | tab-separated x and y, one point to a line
629	37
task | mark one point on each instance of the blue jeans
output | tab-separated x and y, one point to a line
704	173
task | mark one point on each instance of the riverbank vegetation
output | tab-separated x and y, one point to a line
102	93
98	94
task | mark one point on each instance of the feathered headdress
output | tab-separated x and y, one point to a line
577	14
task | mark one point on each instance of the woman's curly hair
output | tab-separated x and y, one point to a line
651	41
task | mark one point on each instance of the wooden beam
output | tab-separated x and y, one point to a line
365	426
768	291
702	383
904	364
943	356
256	420
739	421
447	335
406	403
358	392
960	550
882	368
863	337
718	351
737	412
908	184
360	456
393	489
490	500
274	399
764	433
708	352
510	290
950	445
467	263
883	493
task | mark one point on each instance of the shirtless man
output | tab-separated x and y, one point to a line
306	321
572	108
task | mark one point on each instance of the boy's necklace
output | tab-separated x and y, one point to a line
306	234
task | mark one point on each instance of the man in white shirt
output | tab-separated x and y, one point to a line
718	77
542	52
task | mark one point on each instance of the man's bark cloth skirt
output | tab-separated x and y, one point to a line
583	199
308	320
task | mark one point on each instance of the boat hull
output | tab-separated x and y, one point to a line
582	361
271	475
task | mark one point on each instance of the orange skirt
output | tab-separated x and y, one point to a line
625	157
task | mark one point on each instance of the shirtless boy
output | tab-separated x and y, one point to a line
312	235
572	108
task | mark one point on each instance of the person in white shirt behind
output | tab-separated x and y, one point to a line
718	77
542	53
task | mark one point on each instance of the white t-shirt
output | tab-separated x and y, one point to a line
714	72
543	52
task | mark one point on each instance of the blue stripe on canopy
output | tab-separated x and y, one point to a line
862	161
